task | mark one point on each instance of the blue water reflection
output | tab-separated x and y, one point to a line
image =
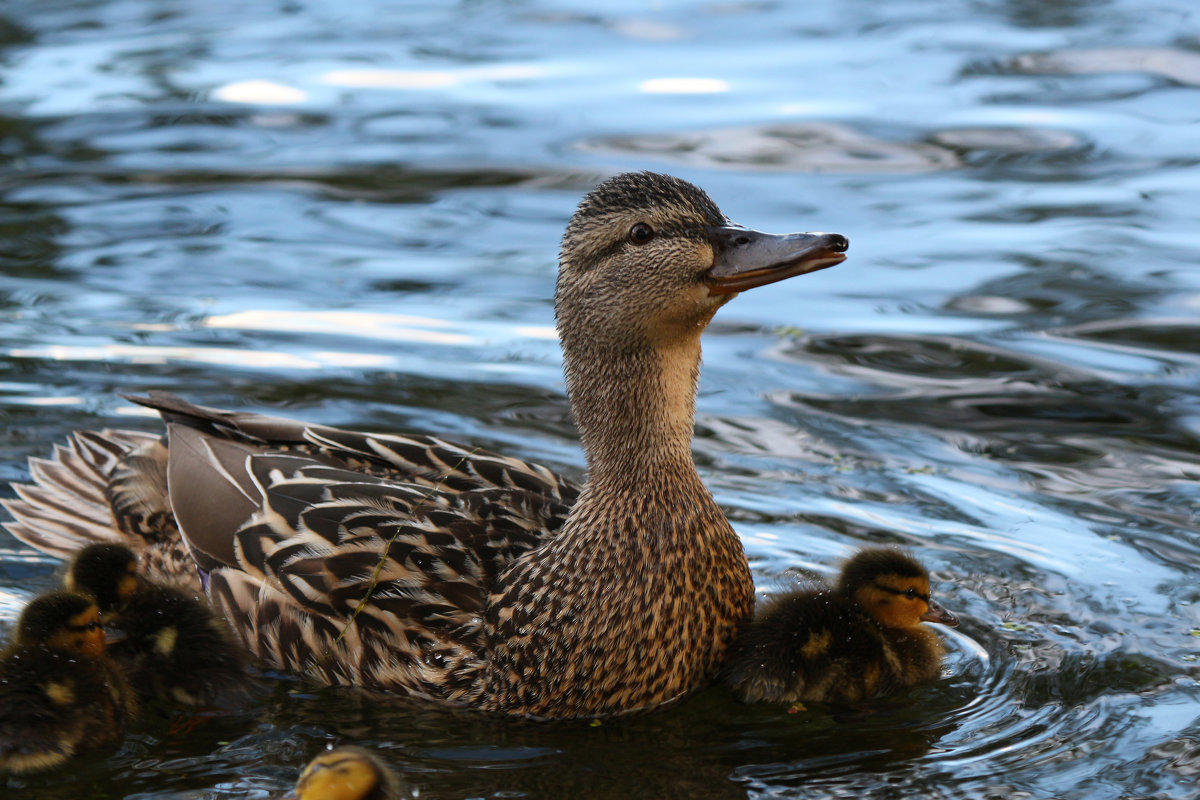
348	212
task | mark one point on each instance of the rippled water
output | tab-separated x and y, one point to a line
349	212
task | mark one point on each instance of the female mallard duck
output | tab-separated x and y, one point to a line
858	640
347	773
413	565
175	648
60	695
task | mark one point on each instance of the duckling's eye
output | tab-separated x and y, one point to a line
641	233
911	593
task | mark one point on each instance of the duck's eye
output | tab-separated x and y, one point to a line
86	627
911	593
641	233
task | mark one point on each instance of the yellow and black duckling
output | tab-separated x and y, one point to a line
413	565
60	695
347	773
858	640
175	648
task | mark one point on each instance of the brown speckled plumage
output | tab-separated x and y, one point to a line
414	565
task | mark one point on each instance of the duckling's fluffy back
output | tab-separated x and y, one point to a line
816	644
178	650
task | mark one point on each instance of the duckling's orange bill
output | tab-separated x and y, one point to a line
939	615
745	258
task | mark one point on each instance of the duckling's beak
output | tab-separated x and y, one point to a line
747	258
939	615
114	636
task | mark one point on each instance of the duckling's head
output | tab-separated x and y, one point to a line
107	572
63	621
892	587
347	773
648	258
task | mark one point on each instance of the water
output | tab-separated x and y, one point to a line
348	212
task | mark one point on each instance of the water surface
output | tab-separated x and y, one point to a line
349	213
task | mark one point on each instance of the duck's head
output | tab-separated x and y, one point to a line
647	258
107	572
347	773
892	587
63	621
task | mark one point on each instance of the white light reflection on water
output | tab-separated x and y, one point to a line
245	358
391	327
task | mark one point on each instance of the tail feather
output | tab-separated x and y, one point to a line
68	506
65	470
53	523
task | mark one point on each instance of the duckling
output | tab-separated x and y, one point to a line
845	644
175	649
409	564
60	695
347	773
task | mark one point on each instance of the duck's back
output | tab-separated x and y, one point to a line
354	558
111	485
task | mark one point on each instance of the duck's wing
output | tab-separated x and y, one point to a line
111	485
350	578
425	460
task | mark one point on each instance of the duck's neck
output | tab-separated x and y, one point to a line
635	406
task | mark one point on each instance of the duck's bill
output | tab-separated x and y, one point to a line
939	615
746	258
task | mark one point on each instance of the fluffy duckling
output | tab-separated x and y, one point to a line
347	773
176	649
845	644
60	695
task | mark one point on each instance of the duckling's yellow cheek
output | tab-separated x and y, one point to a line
92	645
82	634
345	782
89	644
64	640
127	586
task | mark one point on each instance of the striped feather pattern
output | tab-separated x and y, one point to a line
353	567
431	461
368	560
104	486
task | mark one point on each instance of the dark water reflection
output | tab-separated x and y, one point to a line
348	212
